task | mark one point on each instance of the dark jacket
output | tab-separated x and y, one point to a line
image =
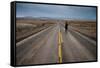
66	26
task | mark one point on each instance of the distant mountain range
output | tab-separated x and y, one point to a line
47	18
39	18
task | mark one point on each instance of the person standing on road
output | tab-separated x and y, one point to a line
66	26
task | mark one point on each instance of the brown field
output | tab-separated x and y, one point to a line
26	27
87	28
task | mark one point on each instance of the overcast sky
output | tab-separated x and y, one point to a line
55	11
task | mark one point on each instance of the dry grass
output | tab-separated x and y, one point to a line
87	28
26	27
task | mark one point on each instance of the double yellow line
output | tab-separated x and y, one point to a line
60	41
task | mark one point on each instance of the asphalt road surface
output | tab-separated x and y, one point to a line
55	45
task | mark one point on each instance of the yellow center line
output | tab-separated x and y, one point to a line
60	41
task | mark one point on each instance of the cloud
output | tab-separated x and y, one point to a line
55	11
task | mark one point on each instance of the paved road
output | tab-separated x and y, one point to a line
77	47
55	45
